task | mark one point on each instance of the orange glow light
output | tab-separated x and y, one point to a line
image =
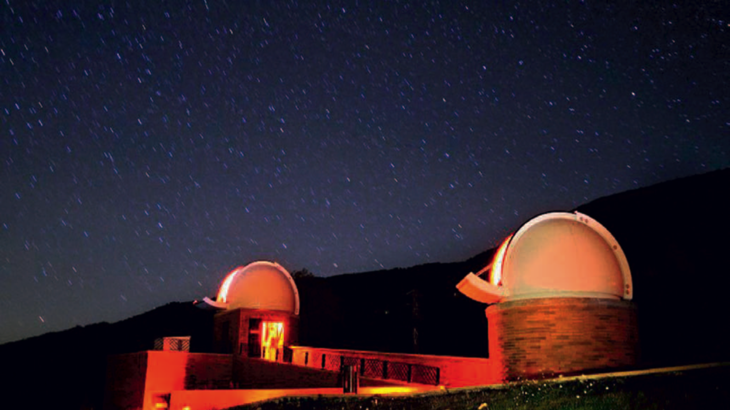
272	338
393	390
495	276
223	292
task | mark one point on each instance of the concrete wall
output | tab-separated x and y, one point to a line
454	371
208	371
220	399
139	380
226	331
263	374
168	371
543	337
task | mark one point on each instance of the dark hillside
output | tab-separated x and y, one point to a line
380	310
67	369
675	236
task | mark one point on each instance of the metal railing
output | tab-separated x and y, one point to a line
383	369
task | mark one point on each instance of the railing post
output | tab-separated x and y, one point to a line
349	379
410	371
385	370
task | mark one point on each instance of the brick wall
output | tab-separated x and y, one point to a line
544	337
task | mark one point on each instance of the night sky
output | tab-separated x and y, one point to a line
148	147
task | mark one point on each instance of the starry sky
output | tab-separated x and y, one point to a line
148	147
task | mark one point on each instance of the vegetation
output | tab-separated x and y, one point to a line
302	274
692	389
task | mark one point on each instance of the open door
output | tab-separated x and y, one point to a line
272	340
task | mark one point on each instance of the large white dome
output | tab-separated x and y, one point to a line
260	285
557	254
564	254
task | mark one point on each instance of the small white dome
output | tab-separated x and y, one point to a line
260	285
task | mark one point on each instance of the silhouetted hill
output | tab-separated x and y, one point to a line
67	369
674	235
380	310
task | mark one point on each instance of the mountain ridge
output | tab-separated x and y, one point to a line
671	233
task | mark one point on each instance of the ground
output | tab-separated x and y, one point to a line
704	387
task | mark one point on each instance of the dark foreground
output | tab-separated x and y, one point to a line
705	388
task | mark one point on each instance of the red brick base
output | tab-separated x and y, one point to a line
535	338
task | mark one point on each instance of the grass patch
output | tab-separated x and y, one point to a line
705	388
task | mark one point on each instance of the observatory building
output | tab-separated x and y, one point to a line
559	293
256	357
258	312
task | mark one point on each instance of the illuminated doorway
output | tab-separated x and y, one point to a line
272	340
